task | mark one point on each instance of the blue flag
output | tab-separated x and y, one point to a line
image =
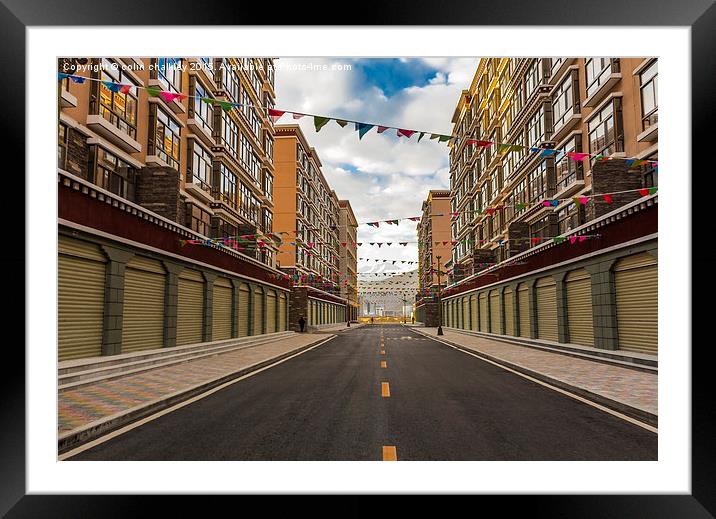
362	129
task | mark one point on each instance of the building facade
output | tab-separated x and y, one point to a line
306	209
195	163
348	267
605	106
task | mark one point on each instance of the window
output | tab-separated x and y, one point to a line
200	166
229	133
538	182
203	113
554	66
199	220
268	186
605	130
570	218
231	80
227	186
249	160
169	71
597	71
564	101
536	129
245	207
113	174
223	229
519	196
649	86
569	171
268	145
62	146
267	221
166	137
533	77
118	108
540	229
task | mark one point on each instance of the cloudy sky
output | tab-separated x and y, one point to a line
383	176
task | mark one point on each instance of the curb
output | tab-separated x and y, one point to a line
626	409
94	430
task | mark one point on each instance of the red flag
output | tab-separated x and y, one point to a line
405	133
381	129
608	199
643	192
275	114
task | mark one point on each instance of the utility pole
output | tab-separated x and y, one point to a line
404	301
440	306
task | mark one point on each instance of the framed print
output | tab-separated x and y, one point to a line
289	254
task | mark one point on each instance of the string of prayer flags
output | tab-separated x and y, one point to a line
362	129
320	122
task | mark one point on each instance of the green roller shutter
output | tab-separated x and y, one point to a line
258	314
636	283
473	309
495	324
546	294
578	284
483	313
80	294
190	308
243	310
221	313
282	325
523	299
143	321
271	312
509	316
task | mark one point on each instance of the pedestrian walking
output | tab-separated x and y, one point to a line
301	323
372	320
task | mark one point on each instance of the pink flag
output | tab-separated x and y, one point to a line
297	116
572	239
168	96
584	200
381	129
582	238
577	156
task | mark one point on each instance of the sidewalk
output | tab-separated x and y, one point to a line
626	390
92	410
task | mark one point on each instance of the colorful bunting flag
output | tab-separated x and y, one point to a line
362	129
381	129
275	115
405	133
320	122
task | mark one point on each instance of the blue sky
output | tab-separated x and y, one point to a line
383	176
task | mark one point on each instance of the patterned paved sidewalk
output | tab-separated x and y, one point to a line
86	404
635	388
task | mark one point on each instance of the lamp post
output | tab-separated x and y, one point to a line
404	301
440	306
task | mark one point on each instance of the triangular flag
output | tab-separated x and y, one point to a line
341	122
434	136
577	156
422	134
572	239
112	87
444	138
362	129
381	129
169	96
275	115
320	122
298	116
653	190
608	198
225	105
405	133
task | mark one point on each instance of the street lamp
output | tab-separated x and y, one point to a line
440	306
404	301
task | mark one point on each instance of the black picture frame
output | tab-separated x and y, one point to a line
17	15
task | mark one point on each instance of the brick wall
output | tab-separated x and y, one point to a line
77	161
158	191
608	177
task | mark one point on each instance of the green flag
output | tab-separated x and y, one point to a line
444	138
342	123
225	105
320	122
153	91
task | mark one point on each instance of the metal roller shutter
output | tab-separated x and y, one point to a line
495	318
243	310
458	304
636	283
546	294
258	316
282	313
509	315
523	301
190	308
483	313
80	309
465	312
271	312
473	309
221	313
143	323
578	284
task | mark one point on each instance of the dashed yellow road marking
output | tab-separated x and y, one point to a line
383	364
384	389
389	453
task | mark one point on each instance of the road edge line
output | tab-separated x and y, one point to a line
80	440
638	417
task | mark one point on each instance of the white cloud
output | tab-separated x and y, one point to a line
384	177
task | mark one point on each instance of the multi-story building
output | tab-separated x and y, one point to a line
307	212
604	106
348	268
433	239
198	164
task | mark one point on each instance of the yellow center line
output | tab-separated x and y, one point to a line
389	453
384	389
383	364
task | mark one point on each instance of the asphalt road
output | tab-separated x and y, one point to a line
328	404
